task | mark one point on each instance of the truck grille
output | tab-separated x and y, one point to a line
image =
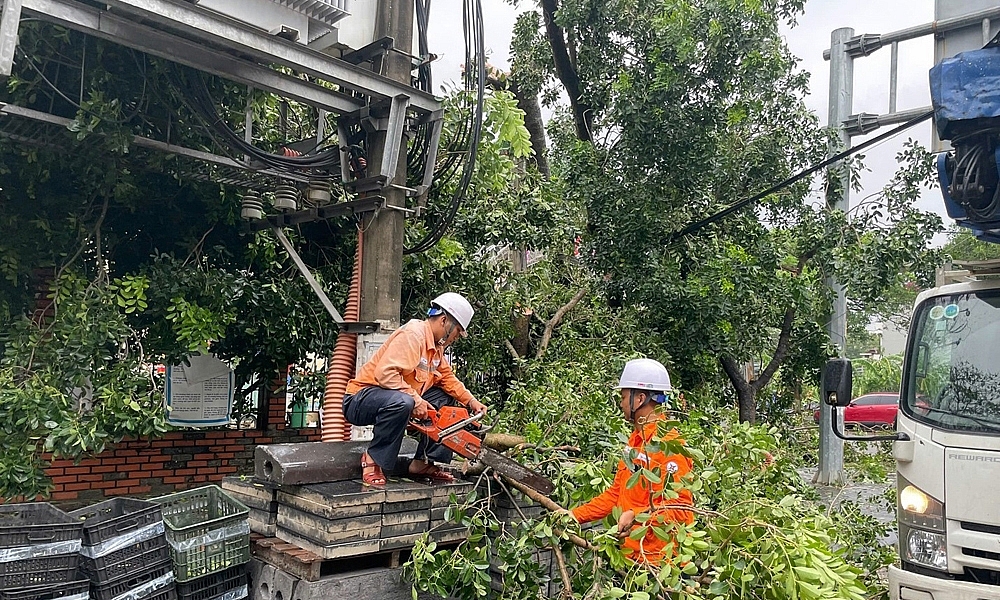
981	553
980	527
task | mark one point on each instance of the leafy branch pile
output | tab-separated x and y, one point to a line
759	533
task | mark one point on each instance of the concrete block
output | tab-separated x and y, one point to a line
437	513
265	529
404	529
338	500
445	535
407	506
402	518
284	585
403	491
325	531
443	491
403	541
314	462
329	551
264	516
254	495
261	580
366	584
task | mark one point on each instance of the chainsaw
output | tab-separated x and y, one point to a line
455	429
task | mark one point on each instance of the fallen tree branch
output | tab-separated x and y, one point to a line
554	322
567	590
504	441
512	351
551	506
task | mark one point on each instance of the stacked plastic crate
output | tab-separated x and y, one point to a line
125	554
39	554
209	537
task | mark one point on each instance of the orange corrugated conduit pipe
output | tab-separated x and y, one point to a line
341	369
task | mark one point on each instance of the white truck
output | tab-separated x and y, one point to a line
947	442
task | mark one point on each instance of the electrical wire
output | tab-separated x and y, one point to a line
475	55
701	224
196	95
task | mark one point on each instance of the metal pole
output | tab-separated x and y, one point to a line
893	74
831	448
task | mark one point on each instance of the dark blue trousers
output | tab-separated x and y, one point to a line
389	411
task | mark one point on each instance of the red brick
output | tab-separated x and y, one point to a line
71	487
197	463
153	466
102	485
64	479
174	479
104	469
204	456
141	489
77	470
54	472
126	453
162	473
225	455
62	463
89	462
64	496
228	469
118	491
186	471
113	461
124	483
163	443
97	477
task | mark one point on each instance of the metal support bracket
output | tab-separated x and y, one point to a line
861	123
322	213
863	45
366	53
394	136
9	23
316	287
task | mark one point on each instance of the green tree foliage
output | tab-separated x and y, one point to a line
759	533
684	108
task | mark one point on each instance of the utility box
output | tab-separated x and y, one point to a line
368	345
303	21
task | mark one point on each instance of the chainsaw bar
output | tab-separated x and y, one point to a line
514	470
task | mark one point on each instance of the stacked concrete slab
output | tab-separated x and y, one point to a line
346	518
260	498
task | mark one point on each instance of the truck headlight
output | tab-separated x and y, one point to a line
924	548
917	508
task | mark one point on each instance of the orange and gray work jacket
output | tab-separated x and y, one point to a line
410	361
642	497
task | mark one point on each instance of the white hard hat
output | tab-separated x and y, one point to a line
644	374
456	306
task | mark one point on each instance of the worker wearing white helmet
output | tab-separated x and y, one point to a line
405	377
644	385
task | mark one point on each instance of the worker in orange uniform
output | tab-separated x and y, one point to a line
406	376
644	383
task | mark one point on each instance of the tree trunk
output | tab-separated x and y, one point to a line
746	399
583	114
533	123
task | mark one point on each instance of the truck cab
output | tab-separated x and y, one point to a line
948	470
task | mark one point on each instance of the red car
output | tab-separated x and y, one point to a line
877	408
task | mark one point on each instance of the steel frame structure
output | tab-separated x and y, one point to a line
845	46
207	41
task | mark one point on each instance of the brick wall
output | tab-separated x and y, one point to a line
179	460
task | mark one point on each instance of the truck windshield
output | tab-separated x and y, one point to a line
952	378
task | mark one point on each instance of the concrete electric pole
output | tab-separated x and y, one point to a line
382	243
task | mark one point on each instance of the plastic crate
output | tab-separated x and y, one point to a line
121	585
214	585
34	524
47	592
130	559
38	571
116	517
169	593
199	513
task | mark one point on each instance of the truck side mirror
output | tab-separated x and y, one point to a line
838	382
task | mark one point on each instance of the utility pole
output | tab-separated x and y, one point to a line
831	448
382	244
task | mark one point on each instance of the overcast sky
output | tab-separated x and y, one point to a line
807	41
